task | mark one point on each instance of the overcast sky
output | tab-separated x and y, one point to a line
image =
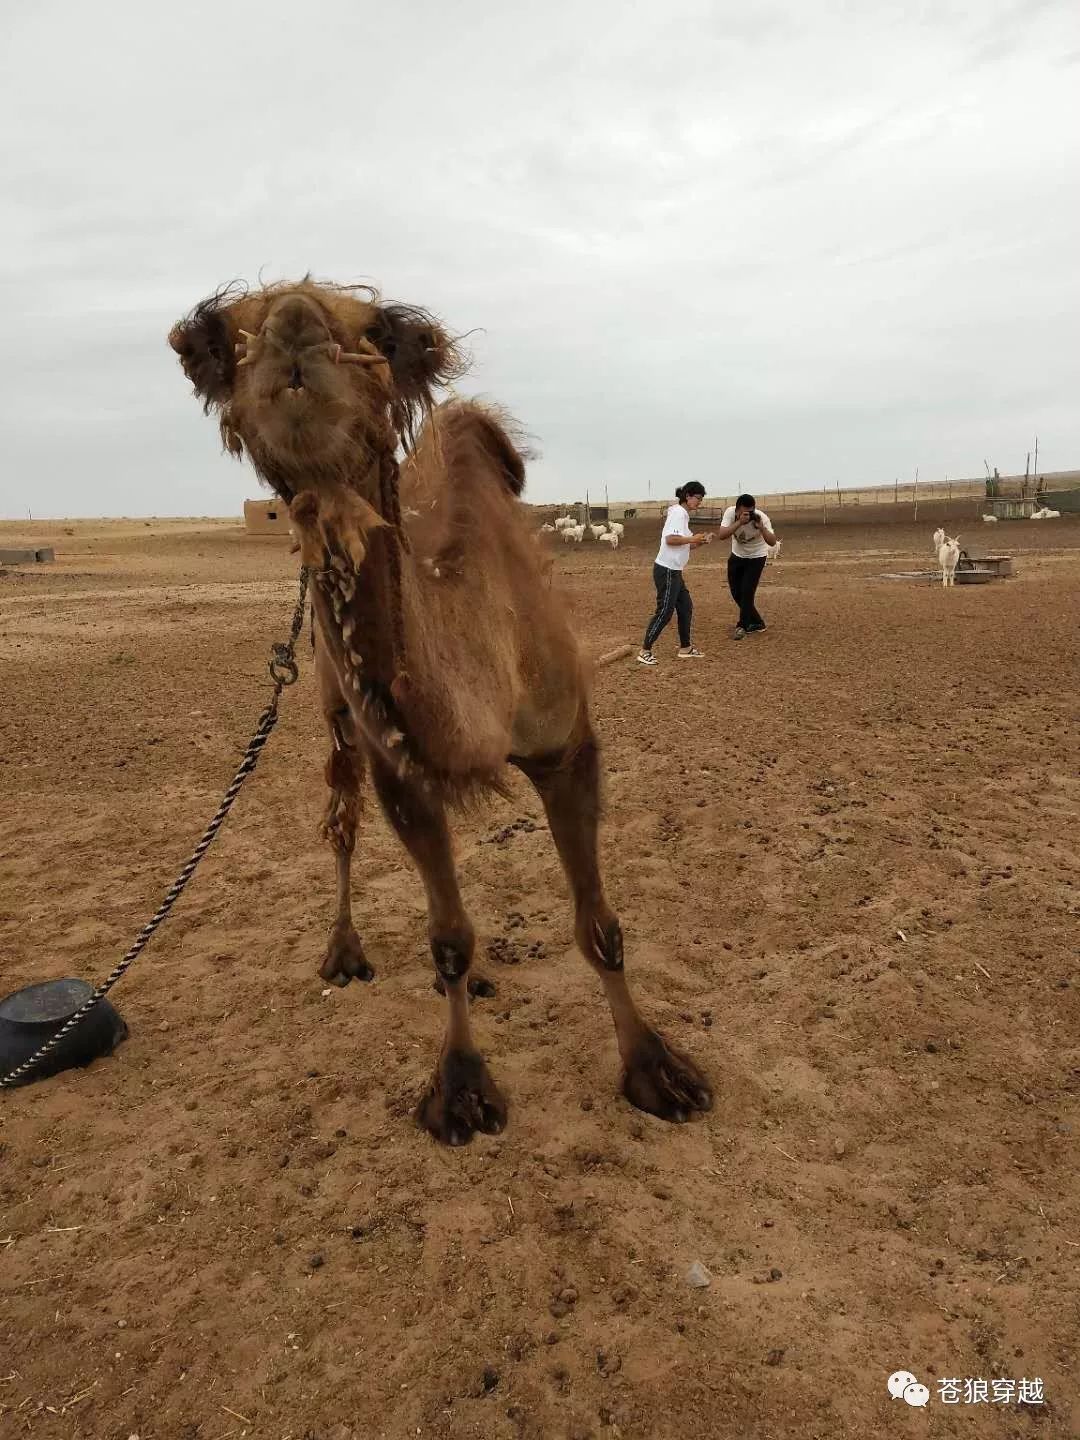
763	245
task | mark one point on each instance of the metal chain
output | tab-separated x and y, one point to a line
284	671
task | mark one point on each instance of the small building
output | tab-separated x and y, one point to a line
266	517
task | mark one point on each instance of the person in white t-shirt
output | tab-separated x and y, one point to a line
672	596
751	535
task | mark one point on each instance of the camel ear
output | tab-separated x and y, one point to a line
205	343
422	355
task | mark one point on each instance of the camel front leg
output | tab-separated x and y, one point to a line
345	959
656	1077
462	1097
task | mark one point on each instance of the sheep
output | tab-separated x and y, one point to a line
573	533
773	553
948	553
596	530
1044	514
990	519
564	522
611	538
614	528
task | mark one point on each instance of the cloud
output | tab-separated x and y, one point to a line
798	242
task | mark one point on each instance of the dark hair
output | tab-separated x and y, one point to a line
692	487
746	501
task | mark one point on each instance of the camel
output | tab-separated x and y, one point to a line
441	653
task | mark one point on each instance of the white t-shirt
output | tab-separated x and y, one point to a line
747	542
674	557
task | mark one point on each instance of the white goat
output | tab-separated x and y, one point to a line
547	529
573	533
1044	514
614	528
610	538
948	553
564	522
596	530
990	519
773	553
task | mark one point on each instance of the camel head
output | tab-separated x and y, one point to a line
310	379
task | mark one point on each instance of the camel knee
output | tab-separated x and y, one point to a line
452	951
342	814
601	940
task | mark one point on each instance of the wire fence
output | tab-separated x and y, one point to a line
834	500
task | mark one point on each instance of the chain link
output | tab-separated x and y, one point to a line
284	671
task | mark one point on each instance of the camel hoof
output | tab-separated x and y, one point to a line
461	1099
663	1082
480	987
345	958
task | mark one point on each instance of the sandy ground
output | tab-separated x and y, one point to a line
844	854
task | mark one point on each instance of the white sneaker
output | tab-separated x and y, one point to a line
692	654
646	657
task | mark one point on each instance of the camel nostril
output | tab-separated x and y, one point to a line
296	381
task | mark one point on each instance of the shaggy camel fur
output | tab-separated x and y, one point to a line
442	652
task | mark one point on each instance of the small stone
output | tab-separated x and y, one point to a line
489	1379
163	1026
121	1324
586	1104
697	1276
551	1338
931	1048
775	1274
774	1357
569	1295
839	1148
316	1262
608	1364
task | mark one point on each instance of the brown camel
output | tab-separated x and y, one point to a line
442	653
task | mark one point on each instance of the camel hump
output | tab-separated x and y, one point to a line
498	436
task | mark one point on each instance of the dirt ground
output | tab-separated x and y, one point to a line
844	855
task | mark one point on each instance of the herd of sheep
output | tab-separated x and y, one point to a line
609	533
948	551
